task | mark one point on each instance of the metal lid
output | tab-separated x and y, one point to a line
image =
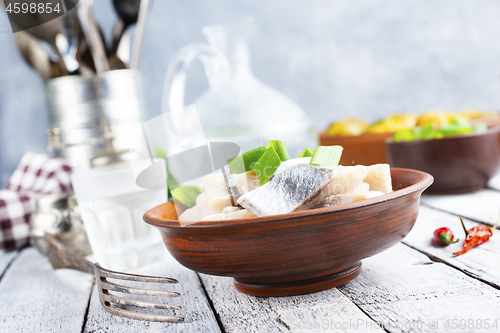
53	201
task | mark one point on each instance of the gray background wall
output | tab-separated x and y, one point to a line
336	58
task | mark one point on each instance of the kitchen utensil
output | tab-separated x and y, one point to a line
60	33
295	253
139	33
84	55
128	12
116	63
62	257
93	36
34	54
458	163
123	51
237	107
68	40
364	149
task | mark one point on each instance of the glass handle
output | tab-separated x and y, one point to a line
174	85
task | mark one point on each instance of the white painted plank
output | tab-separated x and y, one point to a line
6	259
481	262
482	205
328	310
36	298
405	291
196	310
494	182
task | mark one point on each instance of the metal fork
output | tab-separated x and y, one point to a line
62	257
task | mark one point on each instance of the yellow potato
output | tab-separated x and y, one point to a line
349	126
436	118
393	123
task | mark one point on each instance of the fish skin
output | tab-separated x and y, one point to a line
296	188
292	162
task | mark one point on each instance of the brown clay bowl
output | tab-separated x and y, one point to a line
364	149
295	253
459	163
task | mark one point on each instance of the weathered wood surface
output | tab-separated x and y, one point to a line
5	260
482	205
36	298
403	290
327	310
196	309
481	262
415	286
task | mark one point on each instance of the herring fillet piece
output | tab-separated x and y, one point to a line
199	211
341	199
216	191
229	213
296	188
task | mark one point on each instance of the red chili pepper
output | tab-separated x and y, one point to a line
475	236
444	236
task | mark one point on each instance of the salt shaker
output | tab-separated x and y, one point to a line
58	214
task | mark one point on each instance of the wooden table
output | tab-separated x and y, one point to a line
414	286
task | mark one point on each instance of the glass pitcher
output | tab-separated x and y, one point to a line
237	107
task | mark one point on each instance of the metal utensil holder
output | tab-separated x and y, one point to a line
91	116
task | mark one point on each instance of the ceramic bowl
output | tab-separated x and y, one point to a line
295	253
364	149
459	163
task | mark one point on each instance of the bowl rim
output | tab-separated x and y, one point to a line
489	131
425	181
323	134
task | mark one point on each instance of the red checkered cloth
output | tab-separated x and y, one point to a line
36	175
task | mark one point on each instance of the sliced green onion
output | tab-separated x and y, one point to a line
249	159
404	135
160	152
187	194
326	155
461	121
450	130
236	164
426	132
306	153
280	148
267	164
457	126
481	127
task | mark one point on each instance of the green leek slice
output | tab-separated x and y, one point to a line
187	194
326	155
267	164
306	153
450	130
481	127
280	148
404	135
249	159
236	164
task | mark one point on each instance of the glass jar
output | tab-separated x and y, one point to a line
112	206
